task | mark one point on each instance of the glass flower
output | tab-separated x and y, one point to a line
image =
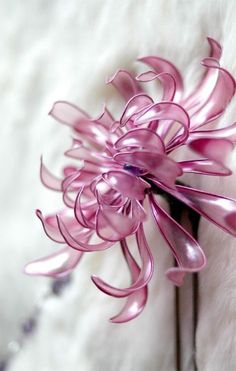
127	162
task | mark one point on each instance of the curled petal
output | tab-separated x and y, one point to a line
134	106
228	132
140	138
113	225
127	184
193	102
162	167
144	274
167	80
57	264
167	111
204	167
187	252
73	116
48	179
160	65
214	105
78	244
218	209
214	149
125	84
50	227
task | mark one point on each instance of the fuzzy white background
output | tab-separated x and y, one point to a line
62	49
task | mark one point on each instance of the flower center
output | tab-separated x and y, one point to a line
132	169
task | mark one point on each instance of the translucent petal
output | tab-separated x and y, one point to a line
141	138
218	209
134	106
204	167
78	244
195	100
125	84
144	274
214	149
57	264
187	252
127	184
228	132
214	105
71	115
167	80
136	301
160	65
48	179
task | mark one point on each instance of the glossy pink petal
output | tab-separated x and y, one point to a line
162	167
187	252
218	209
57	264
228	132
73	116
77	244
136	301
166	111
160	65
125	84
48	179
204	167
145	273
134	106
214	104
167	80
214	149
127	184
141	138
114	226
193	102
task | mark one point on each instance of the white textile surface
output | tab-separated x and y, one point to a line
62	49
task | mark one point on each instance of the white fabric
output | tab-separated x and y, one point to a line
65	50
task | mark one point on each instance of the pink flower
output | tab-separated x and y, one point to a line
128	161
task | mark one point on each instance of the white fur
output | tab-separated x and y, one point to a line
64	50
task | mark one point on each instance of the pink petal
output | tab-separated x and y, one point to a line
141	138
71	115
166	111
127	184
214	149
167	80
220	96
187	252
78	244
229	132
204	167
160	65
114	226
136	301
162	167
125	84
218	209
134	106
57	264
193	102
48	179
142	276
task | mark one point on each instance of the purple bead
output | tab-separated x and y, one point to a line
132	169
59	284
28	326
3	365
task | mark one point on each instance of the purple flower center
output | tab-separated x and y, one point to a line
132	169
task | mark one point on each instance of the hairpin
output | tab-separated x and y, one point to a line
128	162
